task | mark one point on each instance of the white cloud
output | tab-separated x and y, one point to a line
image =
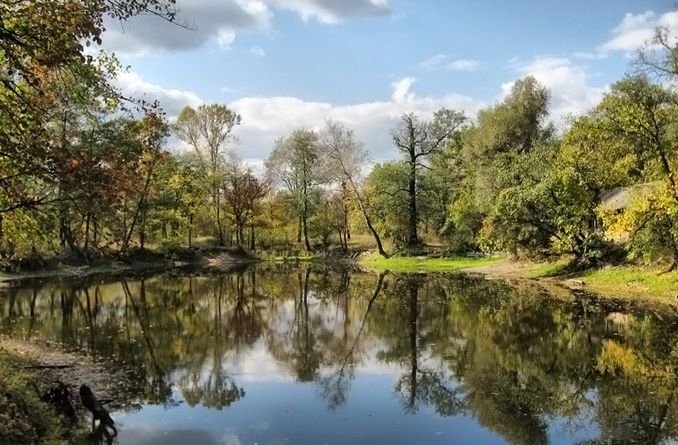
636	30
221	20
172	100
267	118
334	11
205	20
401	90
443	61
585	55
225	37
463	65
257	51
264	119
572	92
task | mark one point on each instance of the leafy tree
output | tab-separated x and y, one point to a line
416	140
294	163
209	130
383	190
242	193
642	117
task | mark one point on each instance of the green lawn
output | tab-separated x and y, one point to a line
633	282
628	282
422	264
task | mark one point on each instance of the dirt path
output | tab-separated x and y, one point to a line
505	269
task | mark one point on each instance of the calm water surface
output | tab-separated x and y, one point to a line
290	355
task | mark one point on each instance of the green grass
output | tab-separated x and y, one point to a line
628	282
422	264
633	282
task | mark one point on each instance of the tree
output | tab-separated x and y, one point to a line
43	66
294	164
641	116
416	140
383	190
242	192
344	159
658	58
209	130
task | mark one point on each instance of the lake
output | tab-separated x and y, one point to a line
321	355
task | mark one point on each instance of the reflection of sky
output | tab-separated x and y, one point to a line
278	410
287	412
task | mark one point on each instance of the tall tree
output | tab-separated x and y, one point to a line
294	164
209	130
345	156
416	140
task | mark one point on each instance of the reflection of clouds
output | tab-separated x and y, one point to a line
230	439
146	435
258	365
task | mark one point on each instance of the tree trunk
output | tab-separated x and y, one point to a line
95	234
141	202
217	208
306	241
299	230
87	232
347	229
190	230
304	217
368	222
412	238
252	240
142	227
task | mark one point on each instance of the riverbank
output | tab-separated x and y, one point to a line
25	418
632	283
146	262
30	369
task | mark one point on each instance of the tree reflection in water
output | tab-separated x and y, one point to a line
512	358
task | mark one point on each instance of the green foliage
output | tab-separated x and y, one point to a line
384	190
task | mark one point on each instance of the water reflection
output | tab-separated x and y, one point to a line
506	364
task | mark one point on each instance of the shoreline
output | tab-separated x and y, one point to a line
643	286
629	282
220	260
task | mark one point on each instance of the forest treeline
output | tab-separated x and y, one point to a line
85	171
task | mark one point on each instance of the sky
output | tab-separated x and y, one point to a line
289	64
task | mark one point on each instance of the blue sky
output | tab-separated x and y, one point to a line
285	64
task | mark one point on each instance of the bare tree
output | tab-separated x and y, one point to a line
345	157
658	58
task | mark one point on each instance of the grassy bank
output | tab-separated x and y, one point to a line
626	282
632	282
423	264
23	416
